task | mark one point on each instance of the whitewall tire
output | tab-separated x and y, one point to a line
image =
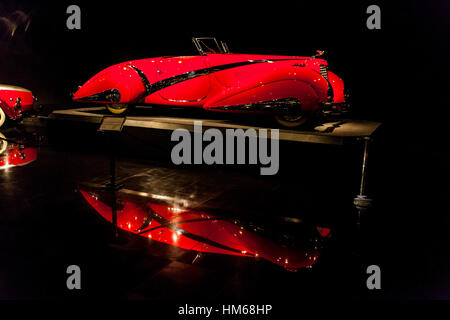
2	117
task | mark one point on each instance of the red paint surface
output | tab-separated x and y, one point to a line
8	100
199	231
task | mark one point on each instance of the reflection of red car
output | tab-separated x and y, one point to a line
201	231
13	154
290	87
13	102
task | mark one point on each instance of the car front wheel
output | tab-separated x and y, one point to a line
117	108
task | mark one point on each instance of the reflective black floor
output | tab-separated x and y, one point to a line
46	224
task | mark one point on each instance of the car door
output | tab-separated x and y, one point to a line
226	77
180	88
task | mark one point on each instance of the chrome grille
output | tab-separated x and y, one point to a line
324	71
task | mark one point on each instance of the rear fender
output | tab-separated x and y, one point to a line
338	87
276	90
274	81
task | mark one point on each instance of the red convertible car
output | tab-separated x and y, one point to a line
13	102
289	87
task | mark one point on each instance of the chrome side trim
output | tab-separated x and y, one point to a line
285	105
175	100
144	79
112	95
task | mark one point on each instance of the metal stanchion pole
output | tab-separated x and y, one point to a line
112	126
362	200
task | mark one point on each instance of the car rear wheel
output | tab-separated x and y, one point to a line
291	121
117	108
2	117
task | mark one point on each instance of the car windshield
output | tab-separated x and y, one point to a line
207	45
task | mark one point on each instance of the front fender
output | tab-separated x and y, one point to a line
120	83
10	110
14	100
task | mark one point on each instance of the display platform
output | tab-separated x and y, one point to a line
324	132
145	131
